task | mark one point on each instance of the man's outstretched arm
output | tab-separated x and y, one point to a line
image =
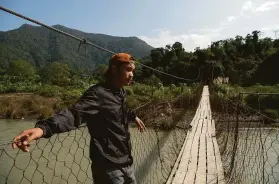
65	120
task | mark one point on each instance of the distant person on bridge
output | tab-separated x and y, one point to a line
104	110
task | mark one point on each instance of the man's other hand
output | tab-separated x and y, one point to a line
141	126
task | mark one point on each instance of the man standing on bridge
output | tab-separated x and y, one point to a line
104	110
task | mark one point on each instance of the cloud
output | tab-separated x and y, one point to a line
250	18
231	18
267	6
201	38
247	7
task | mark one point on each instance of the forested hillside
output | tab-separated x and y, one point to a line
40	47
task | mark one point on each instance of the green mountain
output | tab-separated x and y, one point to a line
41	46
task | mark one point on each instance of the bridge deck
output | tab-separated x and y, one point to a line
199	160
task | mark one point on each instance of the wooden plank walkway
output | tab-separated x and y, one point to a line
199	161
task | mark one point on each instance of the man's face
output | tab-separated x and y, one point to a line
125	73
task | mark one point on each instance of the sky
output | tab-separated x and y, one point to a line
194	23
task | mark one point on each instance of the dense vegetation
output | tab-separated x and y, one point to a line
244	61
47	99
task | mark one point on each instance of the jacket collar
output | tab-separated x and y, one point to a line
108	86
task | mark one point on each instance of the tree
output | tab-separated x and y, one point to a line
156	56
178	48
267	72
21	70
58	74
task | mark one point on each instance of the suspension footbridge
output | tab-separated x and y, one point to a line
200	161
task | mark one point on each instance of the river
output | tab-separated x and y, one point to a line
256	156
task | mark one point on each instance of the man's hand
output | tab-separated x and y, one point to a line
141	126
22	140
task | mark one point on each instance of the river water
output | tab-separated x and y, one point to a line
256	156
64	158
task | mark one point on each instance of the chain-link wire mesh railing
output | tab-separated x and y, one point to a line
248	137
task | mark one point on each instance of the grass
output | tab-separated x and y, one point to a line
44	100
267	104
19	106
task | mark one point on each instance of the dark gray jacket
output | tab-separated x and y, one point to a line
104	110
